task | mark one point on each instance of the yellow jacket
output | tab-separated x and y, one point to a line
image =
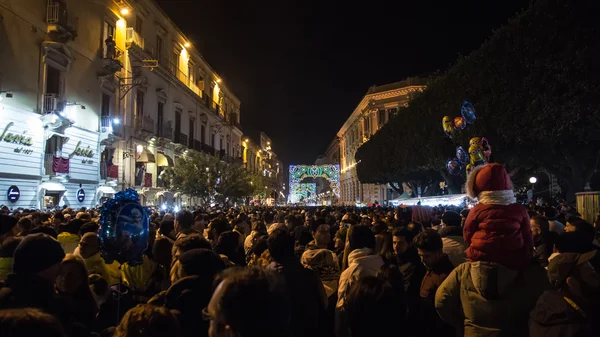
6	264
110	272
138	278
68	241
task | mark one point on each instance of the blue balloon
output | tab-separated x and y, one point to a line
124	228
462	155
468	112
453	166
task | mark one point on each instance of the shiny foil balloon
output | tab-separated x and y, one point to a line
477	157
124	228
448	126
453	166
474	141
460	123
462	155
486	148
467	111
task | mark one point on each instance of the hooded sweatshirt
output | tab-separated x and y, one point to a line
487	299
361	263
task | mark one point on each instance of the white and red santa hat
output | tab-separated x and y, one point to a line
490	184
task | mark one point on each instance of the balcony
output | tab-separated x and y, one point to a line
53	103
182	139
109	172
208	149
58	22
113	59
195	89
111	125
144	124
205	98
167	132
54	165
133	38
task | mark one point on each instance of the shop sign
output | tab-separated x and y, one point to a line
81	195
19	139
13	194
83	152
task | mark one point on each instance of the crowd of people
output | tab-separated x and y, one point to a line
496	269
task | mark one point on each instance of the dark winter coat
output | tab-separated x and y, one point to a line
307	295
555	316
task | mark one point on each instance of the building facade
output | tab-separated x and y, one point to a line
373	111
260	159
99	96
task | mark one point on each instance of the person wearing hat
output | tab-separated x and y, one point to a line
572	307
497	228
36	265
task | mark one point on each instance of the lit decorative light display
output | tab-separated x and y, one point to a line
303	190
329	172
349	167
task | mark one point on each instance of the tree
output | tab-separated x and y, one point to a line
190	176
535	85
233	182
208	178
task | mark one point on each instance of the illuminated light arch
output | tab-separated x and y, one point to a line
303	190
329	172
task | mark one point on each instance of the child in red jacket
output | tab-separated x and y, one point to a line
497	228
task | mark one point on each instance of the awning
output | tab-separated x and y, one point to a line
164	160
52	186
145	157
106	190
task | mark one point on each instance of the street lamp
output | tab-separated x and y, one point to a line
532	180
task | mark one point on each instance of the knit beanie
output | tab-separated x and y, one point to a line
36	253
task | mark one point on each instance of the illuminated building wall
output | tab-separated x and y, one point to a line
374	110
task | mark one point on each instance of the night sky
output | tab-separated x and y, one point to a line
301	67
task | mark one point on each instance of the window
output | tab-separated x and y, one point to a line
191	70
139	24
105	107
202	133
381	117
221	144
177	123
191	134
53	80
159	119
213	141
139	104
159	48
54	145
108	32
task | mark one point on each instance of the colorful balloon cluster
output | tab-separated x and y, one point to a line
479	148
452	126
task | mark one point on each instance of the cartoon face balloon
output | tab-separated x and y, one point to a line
460	123
486	147
448	125
467	111
476	154
474	141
